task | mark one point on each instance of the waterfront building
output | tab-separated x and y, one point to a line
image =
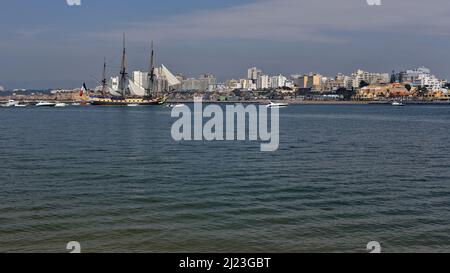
233	84
422	77
206	81
141	79
430	82
253	74
311	81
263	82
278	81
412	75
247	84
370	78
203	83
114	82
382	91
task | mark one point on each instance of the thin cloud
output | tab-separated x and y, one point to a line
294	20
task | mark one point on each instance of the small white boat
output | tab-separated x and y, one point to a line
45	104
76	104
397	103
132	105
175	105
10	103
277	105
21	105
60	105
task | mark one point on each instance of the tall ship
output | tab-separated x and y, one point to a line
125	91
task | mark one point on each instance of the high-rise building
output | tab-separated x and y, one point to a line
278	81
253	74
263	82
115	83
141	78
310	81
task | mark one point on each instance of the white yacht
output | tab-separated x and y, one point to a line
10	103
175	105
21	105
397	103
45	104
277	105
60	105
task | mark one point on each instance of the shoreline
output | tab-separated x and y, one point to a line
264	102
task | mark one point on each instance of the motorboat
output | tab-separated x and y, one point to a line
277	105
10	103
175	105
60	105
45	104
397	103
21	105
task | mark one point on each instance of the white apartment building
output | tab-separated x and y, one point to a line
115	83
263	82
429	81
278	81
141	78
370	78
253	74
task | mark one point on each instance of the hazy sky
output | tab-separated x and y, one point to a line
46	43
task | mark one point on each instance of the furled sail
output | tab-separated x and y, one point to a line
171	79
135	89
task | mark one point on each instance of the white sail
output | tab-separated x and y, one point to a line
135	89
113	92
171	79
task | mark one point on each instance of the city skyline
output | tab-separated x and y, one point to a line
223	38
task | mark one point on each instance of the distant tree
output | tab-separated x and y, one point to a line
346	94
422	91
363	84
393	77
408	87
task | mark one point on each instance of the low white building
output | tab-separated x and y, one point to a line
431	82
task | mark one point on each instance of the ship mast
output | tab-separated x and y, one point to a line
151	71
104	83
123	70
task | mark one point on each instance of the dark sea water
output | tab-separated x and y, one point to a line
115	181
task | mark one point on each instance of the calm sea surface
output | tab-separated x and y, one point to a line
115	181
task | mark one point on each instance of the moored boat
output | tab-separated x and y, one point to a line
397	103
277	105
21	105
45	104
10	103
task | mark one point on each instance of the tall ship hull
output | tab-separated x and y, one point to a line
125	102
